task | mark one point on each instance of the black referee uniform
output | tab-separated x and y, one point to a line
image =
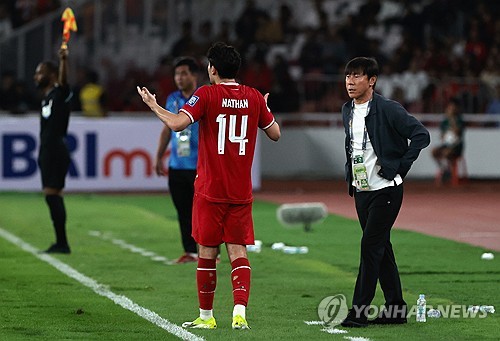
53	158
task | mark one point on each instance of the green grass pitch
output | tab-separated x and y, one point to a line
40	303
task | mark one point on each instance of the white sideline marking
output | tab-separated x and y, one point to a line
314	323
132	248
333	330
101	289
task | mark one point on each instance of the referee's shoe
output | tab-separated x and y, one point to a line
58	248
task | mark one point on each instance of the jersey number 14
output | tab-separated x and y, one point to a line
221	137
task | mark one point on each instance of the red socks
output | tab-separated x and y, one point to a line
206	279
240	278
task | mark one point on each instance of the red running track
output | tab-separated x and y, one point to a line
469	213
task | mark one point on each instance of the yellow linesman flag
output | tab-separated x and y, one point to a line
68	17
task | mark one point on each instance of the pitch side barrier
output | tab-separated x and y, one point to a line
312	147
109	154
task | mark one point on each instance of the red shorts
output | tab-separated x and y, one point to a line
216	223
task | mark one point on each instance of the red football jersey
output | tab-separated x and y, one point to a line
229	115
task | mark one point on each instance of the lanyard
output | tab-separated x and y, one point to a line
365	133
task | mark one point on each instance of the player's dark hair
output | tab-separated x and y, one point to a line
225	59
51	67
363	65
191	63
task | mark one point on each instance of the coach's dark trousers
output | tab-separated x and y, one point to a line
181	185
377	211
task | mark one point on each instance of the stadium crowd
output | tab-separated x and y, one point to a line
429	51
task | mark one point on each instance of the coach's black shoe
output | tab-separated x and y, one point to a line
395	314
388	320
57	248
353	321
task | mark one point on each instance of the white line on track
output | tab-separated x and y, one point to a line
101	290
135	249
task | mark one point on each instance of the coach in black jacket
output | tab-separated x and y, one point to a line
378	158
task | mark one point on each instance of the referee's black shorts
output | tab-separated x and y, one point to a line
54	164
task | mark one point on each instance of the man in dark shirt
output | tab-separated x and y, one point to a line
53	158
382	140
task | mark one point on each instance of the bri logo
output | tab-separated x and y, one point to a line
20	152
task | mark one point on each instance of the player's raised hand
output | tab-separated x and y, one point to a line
266	96
63	53
147	97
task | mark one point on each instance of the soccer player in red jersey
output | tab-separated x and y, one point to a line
229	115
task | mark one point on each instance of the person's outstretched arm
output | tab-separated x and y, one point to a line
63	67
171	120
274	131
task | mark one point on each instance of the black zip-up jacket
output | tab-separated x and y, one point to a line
389	127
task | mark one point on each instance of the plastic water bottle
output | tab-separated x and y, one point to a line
278	246
487	309
295	249
421	306
434	313
256	247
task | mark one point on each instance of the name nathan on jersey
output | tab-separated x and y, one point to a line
234	103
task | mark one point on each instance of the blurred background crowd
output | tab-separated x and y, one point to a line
429	50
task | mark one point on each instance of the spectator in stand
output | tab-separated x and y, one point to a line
5	22
494	105
93	96
204	38
224	33
26	100
268	30
414	80
285	98
8	94
452	144
162	79
458	40
24	11
388	81
288	26
311	49
185	45
14	95
333	51
490	76
257	73
475	48
247	25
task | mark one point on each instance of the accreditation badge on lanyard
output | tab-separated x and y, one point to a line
359	171
184	142
183	138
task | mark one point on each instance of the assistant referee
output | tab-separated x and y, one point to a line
53	157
